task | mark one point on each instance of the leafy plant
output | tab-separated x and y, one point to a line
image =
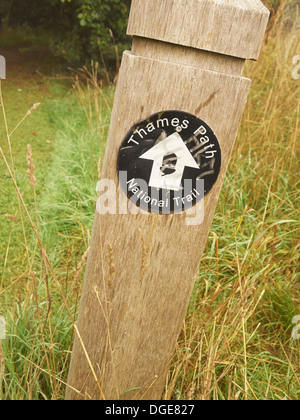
79	30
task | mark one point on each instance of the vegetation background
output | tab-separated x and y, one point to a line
236	342
77	30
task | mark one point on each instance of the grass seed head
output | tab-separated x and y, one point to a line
30	167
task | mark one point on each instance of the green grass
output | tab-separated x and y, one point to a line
66	172
40	131
236	341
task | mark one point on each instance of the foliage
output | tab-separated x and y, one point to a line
77	28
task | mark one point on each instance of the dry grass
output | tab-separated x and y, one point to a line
236	341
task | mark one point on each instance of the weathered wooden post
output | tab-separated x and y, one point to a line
178	105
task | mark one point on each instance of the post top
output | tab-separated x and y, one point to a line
229	27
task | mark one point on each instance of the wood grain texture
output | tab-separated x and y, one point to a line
230	27
189	56
141	268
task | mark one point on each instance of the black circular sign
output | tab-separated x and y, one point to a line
168	162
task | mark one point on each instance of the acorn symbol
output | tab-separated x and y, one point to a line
169	164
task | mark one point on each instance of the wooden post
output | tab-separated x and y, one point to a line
186	56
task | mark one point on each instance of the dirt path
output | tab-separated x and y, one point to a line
27	59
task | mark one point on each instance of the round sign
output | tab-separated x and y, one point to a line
168	162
